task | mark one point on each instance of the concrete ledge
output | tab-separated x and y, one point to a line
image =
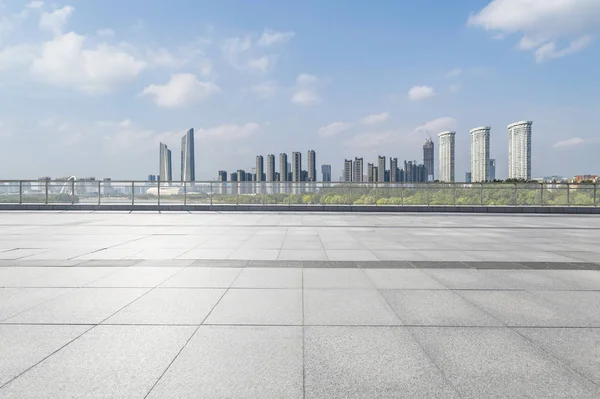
583	210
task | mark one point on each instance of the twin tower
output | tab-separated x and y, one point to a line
188	161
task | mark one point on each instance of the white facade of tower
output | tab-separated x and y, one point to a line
447	144
519	150
480	154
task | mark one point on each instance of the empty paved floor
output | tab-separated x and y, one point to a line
298	305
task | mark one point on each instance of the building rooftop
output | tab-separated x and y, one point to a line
293	305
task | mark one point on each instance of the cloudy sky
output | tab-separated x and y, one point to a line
89	88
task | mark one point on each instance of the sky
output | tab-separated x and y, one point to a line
90	88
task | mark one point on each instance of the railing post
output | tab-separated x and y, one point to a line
72	192
21	193
402	194
185	193
516	196
132	193
481	194
237	193
453	194
100	192
46	192
595	190
158	192
568	194
211	193
542	194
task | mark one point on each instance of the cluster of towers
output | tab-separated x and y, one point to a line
288	171
188	161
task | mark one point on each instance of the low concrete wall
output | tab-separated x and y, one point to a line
304	208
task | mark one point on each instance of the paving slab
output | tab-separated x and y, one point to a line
402	279
269	278
336	278
138	277
16	300
203	277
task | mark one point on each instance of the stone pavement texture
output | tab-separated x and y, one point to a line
217	305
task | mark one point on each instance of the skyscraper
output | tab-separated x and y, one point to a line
222	176
393	170
371	178
429	159
188	161
519	150
260	167
492	169
297	166
468	177
447	140
381	169
357	170
283	167
480	154
326	171
166	172
271	167
312	165
347	170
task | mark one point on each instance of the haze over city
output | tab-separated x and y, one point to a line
90	88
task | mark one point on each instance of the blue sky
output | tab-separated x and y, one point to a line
90	88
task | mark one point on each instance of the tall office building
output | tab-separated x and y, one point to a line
347	170
188	161
296	166
468	177
222	176
260	167
312	165
429	159
166	172
447	145
393	170
371	178
283	167
151	177
480	154
492	169
326	171
381	169
519	150
271	167
357	170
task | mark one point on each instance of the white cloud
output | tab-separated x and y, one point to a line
542	24
64	61
575	142
306	91
334	129
234	47
265	89
436	126
259	64
418	93
17	56
181	90
374	119
54	21
454	73
270	37
105	32
35	4
164	58
229	132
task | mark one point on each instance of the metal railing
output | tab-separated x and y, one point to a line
291	193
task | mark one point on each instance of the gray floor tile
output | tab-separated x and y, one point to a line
269	278
402	279
467	279
495	265
169	306
274	263
369	362
299	254
80	306
583	306
165	263
110	263
21	347
68	276
385	264
203	277
347	307
237	362
219	263
350	254
14	276
429	264
16	300
336	278
436	308
258	306
485	363
577	347
108	361
137	277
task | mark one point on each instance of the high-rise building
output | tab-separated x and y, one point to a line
222	175
381	169
347	170
480	154
312	165
468	177
188	161
151	177
357	170
296	166
260	167
283	167
371	178
233	176
271	167
166	172
447	145
375	173
519	150
429	159
326	171
492	169
393	170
